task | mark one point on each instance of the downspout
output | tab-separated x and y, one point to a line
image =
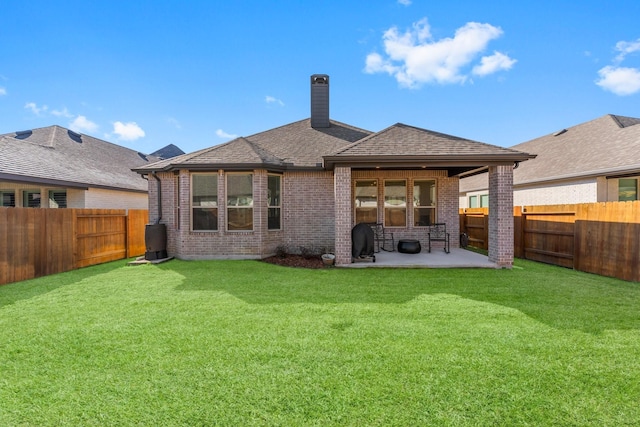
159	197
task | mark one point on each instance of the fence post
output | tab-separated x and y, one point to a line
518	237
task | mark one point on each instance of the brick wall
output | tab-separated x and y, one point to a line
343	214
446	201
308	211
307	217
501	215
312	217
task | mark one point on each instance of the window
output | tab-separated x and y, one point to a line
274	202
366	201
424	203
627	189
57	199
240	202
7	199
482	199
204	202
473	201
395	203
31	199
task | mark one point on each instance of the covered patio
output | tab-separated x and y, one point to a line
412	156
457	258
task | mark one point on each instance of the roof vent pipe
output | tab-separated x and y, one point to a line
320	101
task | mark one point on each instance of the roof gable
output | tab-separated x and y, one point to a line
608	143
296	145
401	143
59	156
167	152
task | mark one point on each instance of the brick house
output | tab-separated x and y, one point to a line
595	161
54	167
306	184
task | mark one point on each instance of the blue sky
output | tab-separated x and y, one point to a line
145	74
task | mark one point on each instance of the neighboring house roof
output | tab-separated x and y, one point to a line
57	156
299	146
403	145
293	146
606	146
168	152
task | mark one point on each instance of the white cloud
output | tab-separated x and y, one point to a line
223	134
271	100
83	125
405	2
619	80
62	113
415	58
492	64
626	48
35	109
3	91
128	131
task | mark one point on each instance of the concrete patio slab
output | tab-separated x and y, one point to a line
457	258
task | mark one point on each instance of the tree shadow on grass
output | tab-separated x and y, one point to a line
555	296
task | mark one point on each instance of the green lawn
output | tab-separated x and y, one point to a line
242	343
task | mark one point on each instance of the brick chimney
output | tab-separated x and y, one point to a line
320	101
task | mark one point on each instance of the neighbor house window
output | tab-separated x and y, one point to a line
481	201
240	202
627	189
204	202
473	201
395	203
57	199
424	203
366	201
8	199
274	202
31	199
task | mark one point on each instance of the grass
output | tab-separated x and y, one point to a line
247	343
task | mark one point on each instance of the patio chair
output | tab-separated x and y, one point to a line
438	233
384	239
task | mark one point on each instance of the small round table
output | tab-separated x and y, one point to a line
409	246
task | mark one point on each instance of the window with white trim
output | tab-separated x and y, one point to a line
31	199
627	189
8	199
204	202
240	202
57	198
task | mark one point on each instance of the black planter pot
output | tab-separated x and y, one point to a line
409	246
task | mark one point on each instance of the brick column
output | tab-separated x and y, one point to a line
342	194
501	215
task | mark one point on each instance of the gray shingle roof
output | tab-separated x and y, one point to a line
405	140
167	152
608	145
56	155
296	145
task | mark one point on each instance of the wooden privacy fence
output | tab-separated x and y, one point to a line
600	238
39	242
